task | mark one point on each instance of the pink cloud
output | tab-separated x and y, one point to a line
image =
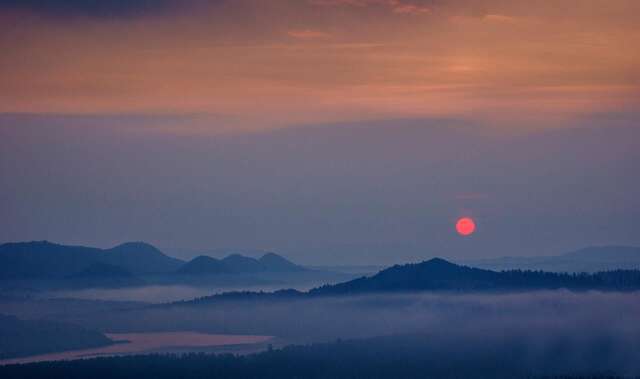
410	9
395	6
500	18
307	34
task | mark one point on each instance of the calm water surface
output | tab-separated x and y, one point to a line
140	343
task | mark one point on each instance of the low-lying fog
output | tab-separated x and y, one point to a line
559	330
588	330
372	315
202	286
159	293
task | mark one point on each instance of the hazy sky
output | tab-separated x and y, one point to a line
334	131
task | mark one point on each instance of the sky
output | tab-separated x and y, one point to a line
332	131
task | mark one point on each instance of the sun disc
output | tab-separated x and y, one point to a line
465	226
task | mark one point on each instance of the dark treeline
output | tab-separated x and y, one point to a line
19	338
382	357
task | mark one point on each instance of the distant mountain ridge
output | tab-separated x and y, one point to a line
141	258
239	264
589	259
122	264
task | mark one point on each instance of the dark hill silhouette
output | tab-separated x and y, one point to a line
435	274
440	275
140	257
46	260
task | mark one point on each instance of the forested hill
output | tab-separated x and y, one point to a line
440	275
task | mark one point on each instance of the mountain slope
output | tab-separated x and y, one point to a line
46	260
42	259
275	263
240	264
140	257
102	270
103	275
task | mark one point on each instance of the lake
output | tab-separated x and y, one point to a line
145	343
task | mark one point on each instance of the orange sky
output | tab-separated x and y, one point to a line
263	64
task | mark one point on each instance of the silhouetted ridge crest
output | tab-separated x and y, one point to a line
43	259
239	264
135	245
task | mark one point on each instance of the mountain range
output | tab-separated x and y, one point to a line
128	263
239	264
122	264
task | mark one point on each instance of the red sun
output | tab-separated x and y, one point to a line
465	226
